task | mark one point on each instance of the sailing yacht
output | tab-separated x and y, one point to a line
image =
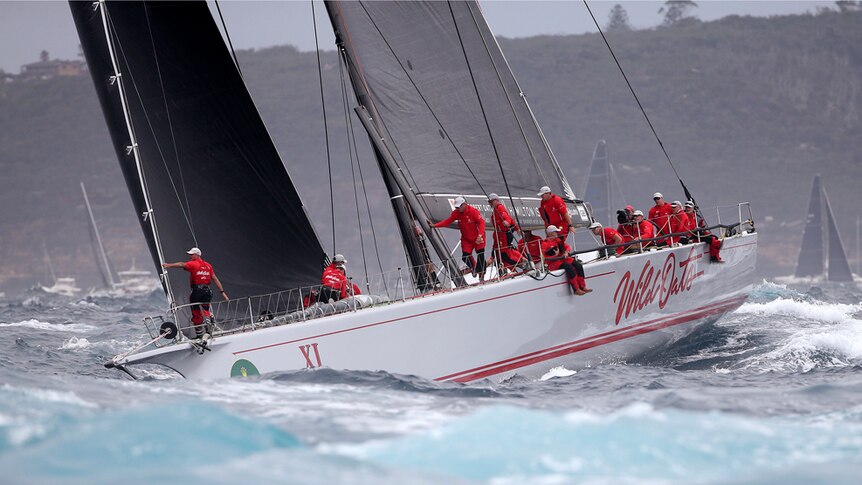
445	117
814	263
62	285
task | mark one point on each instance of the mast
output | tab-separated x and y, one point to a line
810	263
101	255
133	149
48	263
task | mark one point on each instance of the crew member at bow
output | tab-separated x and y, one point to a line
472	226
554	212
557	256
201	273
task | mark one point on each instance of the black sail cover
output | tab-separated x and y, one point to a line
408	58
838	268
214	177
811	255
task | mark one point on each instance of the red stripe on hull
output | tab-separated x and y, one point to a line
594	341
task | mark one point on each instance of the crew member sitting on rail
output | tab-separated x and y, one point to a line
703	235
646	229
335	283
627	229
678	221
554	211
504	228
659	214
556	253
200	275
530	246
691	223
607	236
472	226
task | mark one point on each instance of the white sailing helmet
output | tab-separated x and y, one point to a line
595	225
551	228
459	201
544	190
339	259
493	196
194	251
639	213
657	195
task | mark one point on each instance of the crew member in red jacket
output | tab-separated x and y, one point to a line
702	235
201	274
554	211
530	244
608	236
678	221
627	229
691	222
556	253
645	228
335	285
504	228
659	214
472	226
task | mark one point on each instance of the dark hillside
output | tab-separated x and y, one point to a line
748	109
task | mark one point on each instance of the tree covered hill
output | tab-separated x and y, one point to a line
748	109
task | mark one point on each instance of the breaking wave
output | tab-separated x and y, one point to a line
54	327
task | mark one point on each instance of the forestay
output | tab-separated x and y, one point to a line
207	164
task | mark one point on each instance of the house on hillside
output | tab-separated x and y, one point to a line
47	68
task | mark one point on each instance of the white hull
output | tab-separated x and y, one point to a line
521	325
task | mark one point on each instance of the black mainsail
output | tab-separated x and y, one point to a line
810	263
198	161
441	97
837	268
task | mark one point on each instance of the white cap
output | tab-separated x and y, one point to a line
339	258
194	251
544	190
657	195
689	203
459	201
675	204
639	213
595	225
551	228
493	196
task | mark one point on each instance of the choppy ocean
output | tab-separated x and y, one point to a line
770	394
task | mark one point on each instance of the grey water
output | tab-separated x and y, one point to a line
770	393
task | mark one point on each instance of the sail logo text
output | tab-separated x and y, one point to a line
654	284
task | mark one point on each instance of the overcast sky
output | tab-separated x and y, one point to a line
27	27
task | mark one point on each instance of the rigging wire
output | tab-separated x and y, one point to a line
127	69
325	125
643	111
421	96
171	126
229	43
484	114
342	66
352	171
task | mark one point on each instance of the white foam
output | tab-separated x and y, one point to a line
56	327
559	371
75	343
52	396
823	312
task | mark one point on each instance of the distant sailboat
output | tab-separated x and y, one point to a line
811	255
64	285
599	190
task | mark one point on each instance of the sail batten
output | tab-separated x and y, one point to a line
415	61
204	154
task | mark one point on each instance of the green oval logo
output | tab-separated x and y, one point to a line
243	368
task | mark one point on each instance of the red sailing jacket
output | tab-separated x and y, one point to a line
470	222
554	248
629	231
553	212
647	231
678	223
335	279
659	215
691	221
200	272
502	220
535	245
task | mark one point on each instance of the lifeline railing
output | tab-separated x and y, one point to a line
300	304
